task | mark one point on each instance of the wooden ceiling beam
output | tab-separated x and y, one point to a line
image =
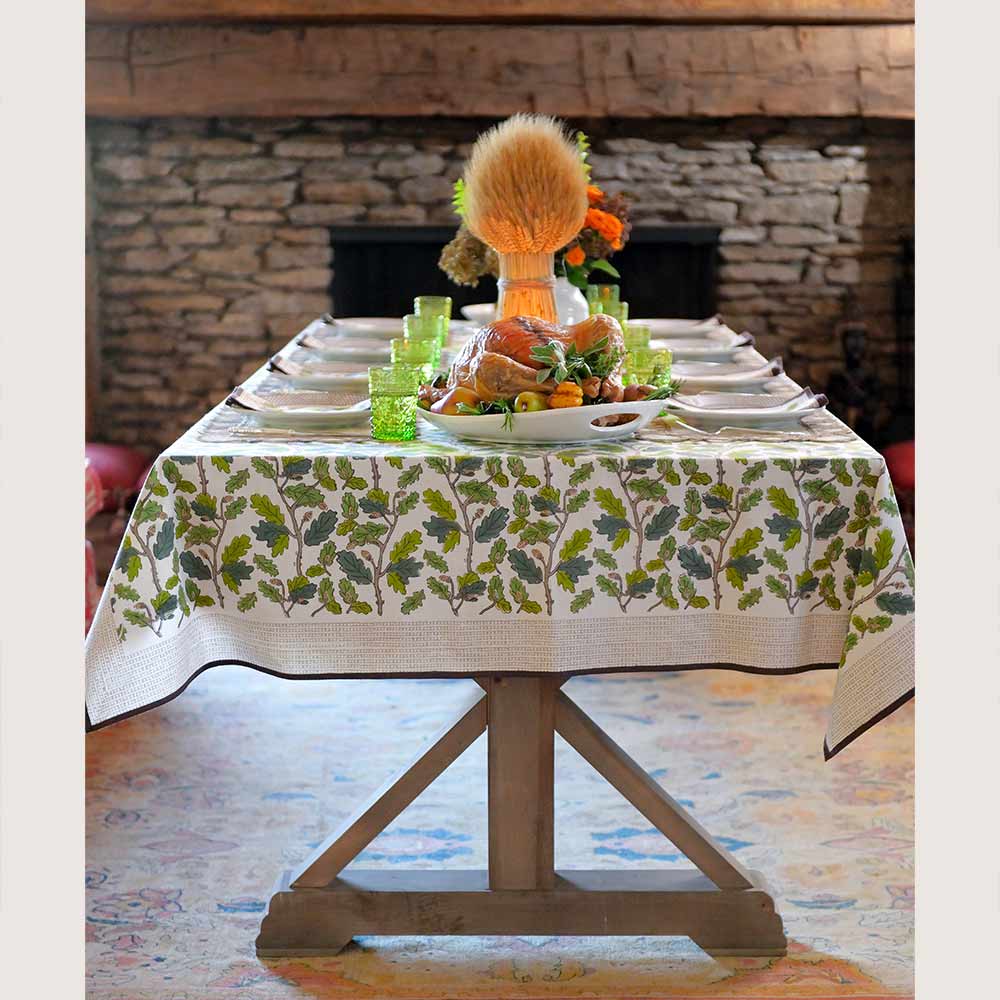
478	71
506	11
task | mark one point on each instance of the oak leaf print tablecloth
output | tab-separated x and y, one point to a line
437	557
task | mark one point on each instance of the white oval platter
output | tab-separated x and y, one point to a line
562	426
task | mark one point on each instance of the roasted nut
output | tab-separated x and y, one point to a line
591	387
612	390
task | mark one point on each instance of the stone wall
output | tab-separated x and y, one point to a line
213	247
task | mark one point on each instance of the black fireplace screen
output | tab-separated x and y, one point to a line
377	270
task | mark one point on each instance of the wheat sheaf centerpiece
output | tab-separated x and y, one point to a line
524	193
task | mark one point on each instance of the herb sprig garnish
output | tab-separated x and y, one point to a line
486	407
575	365
666	391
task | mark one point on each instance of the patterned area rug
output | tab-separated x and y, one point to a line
195	808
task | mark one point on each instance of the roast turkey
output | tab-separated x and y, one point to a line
496	361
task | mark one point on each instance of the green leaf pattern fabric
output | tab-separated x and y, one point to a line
670	539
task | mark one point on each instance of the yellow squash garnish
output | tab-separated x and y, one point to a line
566	394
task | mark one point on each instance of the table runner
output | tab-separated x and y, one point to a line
351	557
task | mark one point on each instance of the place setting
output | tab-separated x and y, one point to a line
521	382
314	388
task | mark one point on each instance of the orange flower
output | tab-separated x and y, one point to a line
594	193
576	256
616	244
608	225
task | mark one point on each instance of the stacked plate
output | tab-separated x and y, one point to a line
683	328
718	344
332	376
373	327
298	410
747	410
696	376
360	351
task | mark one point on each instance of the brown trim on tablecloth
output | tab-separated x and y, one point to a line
451	675
887	711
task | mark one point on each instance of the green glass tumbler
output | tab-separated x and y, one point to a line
429	328
393	393
635	335
433	305
648	366
619	310
603	294
423	326
416	353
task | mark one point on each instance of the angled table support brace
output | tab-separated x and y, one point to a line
317	908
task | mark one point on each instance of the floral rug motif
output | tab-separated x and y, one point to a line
194	809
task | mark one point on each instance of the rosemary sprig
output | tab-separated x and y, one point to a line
666	391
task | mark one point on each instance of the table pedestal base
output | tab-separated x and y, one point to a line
725	909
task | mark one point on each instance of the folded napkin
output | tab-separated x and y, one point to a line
662	327
716	406
719	341
334	373
350	347
242	398
285	366
744	339
803	399
711	373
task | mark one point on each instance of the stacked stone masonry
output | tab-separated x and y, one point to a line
213	246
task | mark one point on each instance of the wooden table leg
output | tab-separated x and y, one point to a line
521	765
726	909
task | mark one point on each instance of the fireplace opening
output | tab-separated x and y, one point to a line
670	270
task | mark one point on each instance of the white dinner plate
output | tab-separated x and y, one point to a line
298	410
377	327
563	426
745	409
680	328
363	352
720	345
374	327
333	376
699	375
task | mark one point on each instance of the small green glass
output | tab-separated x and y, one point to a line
636	335
432	329
433	305
416	353
603	294
648	366
393	393
619	310
610	307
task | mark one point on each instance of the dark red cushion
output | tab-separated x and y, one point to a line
119	467
900	461
141	481
93	492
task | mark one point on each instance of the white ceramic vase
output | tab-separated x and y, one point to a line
571	304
